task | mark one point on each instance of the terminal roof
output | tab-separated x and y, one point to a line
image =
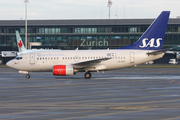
84	22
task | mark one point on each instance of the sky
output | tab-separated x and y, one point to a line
86	9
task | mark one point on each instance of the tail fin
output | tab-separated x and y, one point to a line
20	42
153	38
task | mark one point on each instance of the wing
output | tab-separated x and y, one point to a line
89	63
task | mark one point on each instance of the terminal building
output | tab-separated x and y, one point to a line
82	34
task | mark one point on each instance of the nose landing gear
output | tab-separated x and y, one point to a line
27	76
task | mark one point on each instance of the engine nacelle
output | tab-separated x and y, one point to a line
63	70
178	56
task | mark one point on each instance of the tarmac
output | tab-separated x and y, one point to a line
124	94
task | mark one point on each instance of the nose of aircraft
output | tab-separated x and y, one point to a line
9	64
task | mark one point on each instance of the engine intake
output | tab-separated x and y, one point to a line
63	70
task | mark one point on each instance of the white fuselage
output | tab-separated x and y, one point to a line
45	60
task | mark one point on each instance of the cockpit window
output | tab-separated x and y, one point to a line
18	58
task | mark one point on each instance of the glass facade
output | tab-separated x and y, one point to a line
83	36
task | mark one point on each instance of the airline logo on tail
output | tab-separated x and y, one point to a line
20	44
150	43
153	38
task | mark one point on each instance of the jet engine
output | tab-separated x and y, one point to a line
178	56
63	70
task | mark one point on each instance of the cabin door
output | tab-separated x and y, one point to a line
32	59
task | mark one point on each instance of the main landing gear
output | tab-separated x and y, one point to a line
27	76
87	75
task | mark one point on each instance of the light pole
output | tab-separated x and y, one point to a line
109	5
26	1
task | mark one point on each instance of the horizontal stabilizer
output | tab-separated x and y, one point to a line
159	51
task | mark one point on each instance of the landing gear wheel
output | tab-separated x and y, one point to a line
87	75
27	76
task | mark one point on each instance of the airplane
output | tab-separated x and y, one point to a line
69	62
175	53
21	47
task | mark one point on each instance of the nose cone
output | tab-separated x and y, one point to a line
9	64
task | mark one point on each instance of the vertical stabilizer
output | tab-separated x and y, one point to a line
153	38
20	44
